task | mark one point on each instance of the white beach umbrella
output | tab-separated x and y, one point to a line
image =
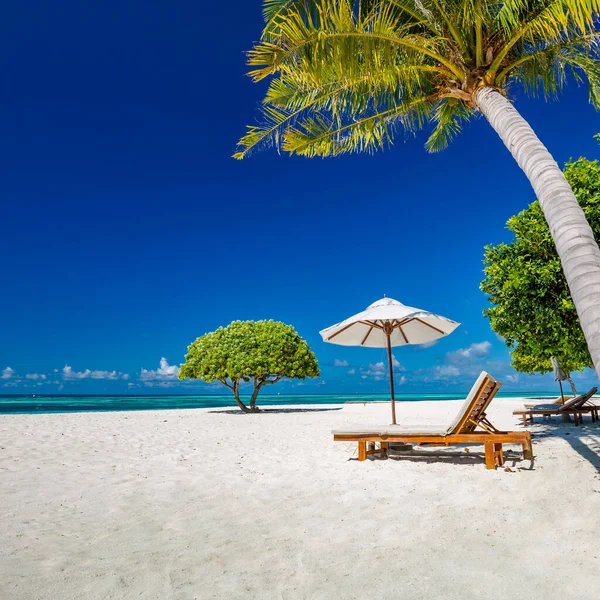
560	375
387	323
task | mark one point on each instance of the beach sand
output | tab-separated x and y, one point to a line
211	503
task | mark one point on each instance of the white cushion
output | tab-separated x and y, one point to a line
388	430
467	403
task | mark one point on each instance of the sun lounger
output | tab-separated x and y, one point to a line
577	407
558	401
471	426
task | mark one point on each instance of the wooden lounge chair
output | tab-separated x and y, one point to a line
471	426
577	407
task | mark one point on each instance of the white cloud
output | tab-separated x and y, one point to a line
375	370
351	371
380	370
512	378
340	363
7	373
104	375
396	364
322	382
35	376
445	372
164	372
70	375
473	352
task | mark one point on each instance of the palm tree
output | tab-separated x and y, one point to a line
347	75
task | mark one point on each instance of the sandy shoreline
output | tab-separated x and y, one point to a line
210	503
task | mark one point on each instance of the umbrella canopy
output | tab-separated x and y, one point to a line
560	375
388	323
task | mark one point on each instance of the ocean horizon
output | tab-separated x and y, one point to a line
63	403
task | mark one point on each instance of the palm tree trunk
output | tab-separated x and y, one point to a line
572	234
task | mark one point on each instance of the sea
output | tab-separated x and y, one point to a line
14	404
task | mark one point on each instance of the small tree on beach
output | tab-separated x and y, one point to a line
261	352
532	307
346	75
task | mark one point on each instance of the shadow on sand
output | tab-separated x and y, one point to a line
512	458
584	439
266	411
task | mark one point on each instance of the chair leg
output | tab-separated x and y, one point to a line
527	449
384	449
362	450
498	455
524	420
490	462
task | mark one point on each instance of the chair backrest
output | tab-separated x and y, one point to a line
578	401
479	398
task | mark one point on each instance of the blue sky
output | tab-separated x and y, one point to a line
128	230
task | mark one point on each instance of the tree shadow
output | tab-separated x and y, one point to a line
266	411
584	438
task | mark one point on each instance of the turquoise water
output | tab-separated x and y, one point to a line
64	404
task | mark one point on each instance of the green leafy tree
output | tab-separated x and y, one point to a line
346	75
532	307
261	352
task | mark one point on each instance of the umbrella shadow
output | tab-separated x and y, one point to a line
263	411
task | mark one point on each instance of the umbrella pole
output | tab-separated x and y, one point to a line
562	395
389	349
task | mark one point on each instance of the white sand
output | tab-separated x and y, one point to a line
205	504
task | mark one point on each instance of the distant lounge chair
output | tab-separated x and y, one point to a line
554	402
461	431
577	407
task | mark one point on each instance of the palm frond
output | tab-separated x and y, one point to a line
451	25
319	135
416	11
546	71
346	75
267	134
449	116
352	89
275	10
550	21
288	98
340	36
